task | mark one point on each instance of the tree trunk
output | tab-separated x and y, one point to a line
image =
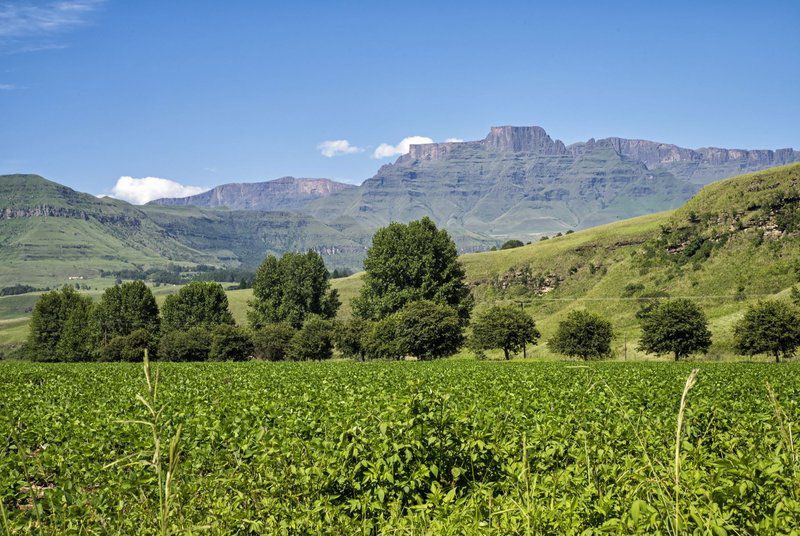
505	351
677	356
777	357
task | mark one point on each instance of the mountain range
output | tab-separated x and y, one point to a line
517	182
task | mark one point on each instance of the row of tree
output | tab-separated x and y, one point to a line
414	302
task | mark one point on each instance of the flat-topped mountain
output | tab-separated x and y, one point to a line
518	182
278	194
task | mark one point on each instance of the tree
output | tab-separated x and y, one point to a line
60	314
230	343
76	342
771	327
289	289
350	337
506	327
193	344
130	347
313	342
583	334
408	263
198	304
678	327
124	309
271	342
429	330
511	244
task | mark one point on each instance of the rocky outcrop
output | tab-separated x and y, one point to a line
10	213
279	194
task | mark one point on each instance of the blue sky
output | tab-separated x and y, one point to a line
209	92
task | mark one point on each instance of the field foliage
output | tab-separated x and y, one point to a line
445	447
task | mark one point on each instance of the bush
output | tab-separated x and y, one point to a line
124	309
771	327
382	340
313	342
230	343
272	341
678	327
506	327
130	347
583	334
350	337
511	244
428	330
191	345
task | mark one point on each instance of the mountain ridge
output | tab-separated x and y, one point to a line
276	194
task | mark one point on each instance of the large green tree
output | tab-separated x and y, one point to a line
583	334
313	341
291	288
60	328
503	326
198	304
770	327
124	309
678	327
412	262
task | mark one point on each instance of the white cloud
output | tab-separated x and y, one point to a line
453	140
7	87
140	191
22	21
385	150
331	148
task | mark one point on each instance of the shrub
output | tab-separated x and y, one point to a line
511	244
506	327
230	343
313	342
350	337
771	327
382	340
271	342
678	327
130	347
583	334
428	330
193	344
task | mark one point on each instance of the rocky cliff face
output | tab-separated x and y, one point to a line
518	182
699	166
279	194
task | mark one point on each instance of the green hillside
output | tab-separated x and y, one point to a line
735	242
50	233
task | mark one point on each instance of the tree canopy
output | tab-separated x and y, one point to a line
124	309
60	328
503	326
511	244
412	262
198	304
291	288
676	326
770	327
583	334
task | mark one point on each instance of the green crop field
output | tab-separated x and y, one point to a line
449	447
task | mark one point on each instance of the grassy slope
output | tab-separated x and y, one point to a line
764	268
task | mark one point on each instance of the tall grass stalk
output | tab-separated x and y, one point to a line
690	381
